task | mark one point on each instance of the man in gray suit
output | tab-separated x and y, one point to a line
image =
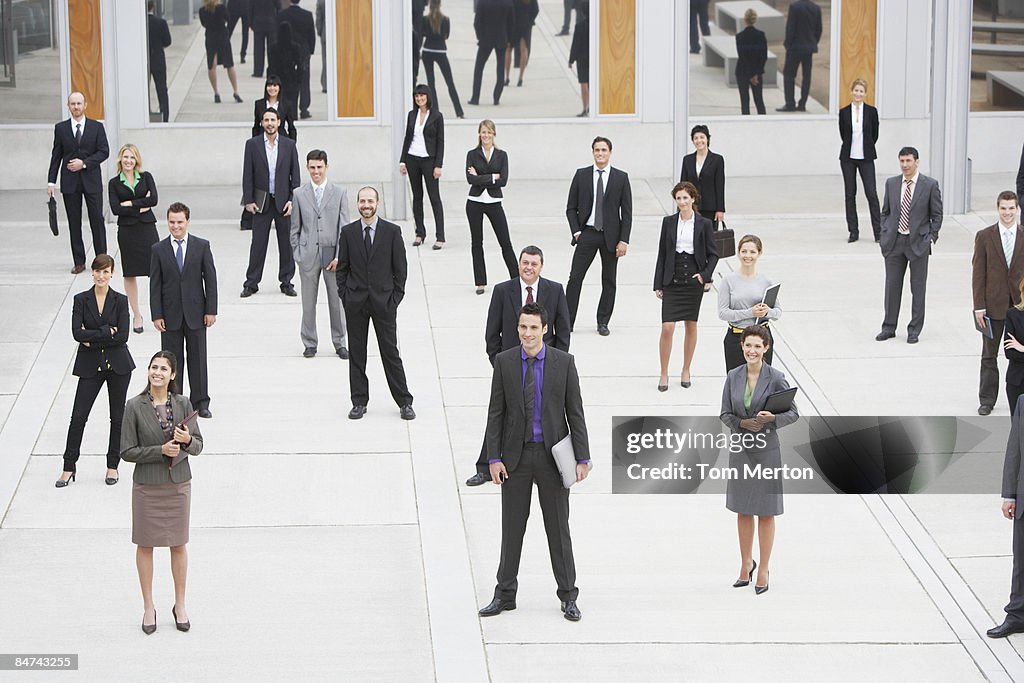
321	208
535	403
1013	488
911	218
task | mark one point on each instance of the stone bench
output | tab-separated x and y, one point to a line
1005	88
721	51
729	18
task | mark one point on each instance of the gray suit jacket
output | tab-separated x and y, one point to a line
141	439
1013	485
561	406
315	231
769	382
925	214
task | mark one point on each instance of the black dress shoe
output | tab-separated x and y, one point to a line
149	629
473	102
912	338
77	269
357	412
247	292
407	412
750	577
854	236
883	335
308	353
801	107
788	107
205	413
496	607
571	611
563	32
1005	629
342	353
305	115
603	330
288	290
183	626
477	479
984	410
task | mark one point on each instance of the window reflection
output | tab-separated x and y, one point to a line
997	51
30	56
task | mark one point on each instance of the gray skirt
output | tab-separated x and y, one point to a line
753	496
160	514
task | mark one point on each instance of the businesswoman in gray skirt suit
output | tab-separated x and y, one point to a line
746	391
153	432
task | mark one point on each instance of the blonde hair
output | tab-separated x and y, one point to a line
489	125
861	82
210	4
750	16
135	153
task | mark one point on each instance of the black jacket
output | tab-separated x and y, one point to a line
618	204
285	107
501	332
704	250
159	38
88	325
93	150
433	136
485	171
128	216
256	171
263	16
432	40
752	49
803	27
182	298
303	26
710	183
870	131
377	277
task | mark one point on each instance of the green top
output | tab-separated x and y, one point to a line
124	180
748	394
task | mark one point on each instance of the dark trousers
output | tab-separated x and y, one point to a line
159	74
734	350
323	62
1013	392
385	326
304	97
85	396
94	206
261	40
189	348
235	17
895	270
794	61
1015	608
441	59
567	6
988	386
698	17
591	243
475	212
421	170
483	53
866	169
417	43
536	465
258	249
745	87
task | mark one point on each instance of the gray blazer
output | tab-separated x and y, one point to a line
925	214
315	231
770	381
141	438
1013	484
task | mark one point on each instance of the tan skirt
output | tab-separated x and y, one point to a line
160	514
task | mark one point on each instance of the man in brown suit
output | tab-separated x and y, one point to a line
998	265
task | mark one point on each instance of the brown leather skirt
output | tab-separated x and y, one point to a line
160	514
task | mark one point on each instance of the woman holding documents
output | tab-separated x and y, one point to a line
158	433
740	297
1013	343
748	391
687	257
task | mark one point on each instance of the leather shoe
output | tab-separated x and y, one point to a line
77	269
496	607
883	335
357	412
786	108
984	410
912	339
1005	629
801	107
853	237
205	413
603	330
477	479
309	353
571	611
342	353
247	292
288	290
407	412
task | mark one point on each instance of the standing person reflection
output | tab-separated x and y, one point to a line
436	28
214	18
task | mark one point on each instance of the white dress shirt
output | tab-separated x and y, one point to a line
418	146
522	291
485	196
593	207
684	234
184	247
271	150
857	140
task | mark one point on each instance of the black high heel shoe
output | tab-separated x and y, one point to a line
740	583
61	483
182	626
761	589
149	629
110	481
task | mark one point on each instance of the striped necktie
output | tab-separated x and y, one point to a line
1008	242
908	196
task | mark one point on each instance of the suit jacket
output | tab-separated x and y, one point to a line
89	325
490	22
561	406
128	216
770	381
704	249
1014	325
803	27
263	16
285	107
994	285
377	277
182	298
752	50
710	181
433	136
502	329
1013	484
303	26
485	170
870	131
159	38
256	171
141	439
618	204
925	214
315	230
434	40
93	151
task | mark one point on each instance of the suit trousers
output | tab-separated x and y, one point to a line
94	206
698	17
309	283
323	62
988	386
177	341
794	61
536	465
85	396
590	244
441	59
895	270
235	18
745	87
866	168
734	352
1015	608
420	171
261	41
304	96
483	53
475	212
1013	392
567	6
159	74
258	248
385	325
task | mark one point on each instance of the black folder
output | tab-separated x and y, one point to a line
780	401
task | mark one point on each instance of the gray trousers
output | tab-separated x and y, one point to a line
309	284
988	388
895	271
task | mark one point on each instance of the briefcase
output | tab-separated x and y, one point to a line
725	240
51	205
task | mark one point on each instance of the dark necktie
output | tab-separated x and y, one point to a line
78	133
599	201
528	399
367	242
529	295
908	196
179	256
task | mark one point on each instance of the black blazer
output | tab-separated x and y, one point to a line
490	22
256	172
159	38
93	150
89	325
710	183
378	276
182	298
263	15
803	27
128	216
433	136
870	131
285	107
485	170
618	204
1014	325
752	50
502	330
432	40
704	249
303	26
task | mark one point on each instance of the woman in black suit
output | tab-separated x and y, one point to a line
132	193
436	28
752	50
687	257
487	173
422	156
520	37
214	18
858	128
99	323
706	170
272	99
1014	352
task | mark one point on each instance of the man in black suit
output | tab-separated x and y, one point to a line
239	10
1012	490
159	38
183	300
263	20
270	172
371	283
491	25
304	33
535	403
502	330
803	31
79	147
600	213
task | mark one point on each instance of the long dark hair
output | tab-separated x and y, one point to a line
172	386
434	15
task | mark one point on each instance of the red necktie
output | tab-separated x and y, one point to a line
529	295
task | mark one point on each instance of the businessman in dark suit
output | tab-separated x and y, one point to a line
79	147
803	31
183	300
371	283
159	39
911	219
490	22
858	129
1012	491
502	330
270	172
263	20
535	403
240	10
304	32
600	213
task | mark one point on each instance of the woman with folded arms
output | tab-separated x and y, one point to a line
739	301
746	391
154	432
422	156
487	173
